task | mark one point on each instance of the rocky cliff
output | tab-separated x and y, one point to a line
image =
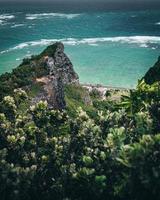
60	72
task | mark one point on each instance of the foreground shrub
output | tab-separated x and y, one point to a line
45	154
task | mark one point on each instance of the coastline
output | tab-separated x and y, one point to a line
115	93
105	87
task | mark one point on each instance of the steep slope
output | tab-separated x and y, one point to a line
153	73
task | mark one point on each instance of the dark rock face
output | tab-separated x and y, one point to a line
153	73
57	97
61	72
60	64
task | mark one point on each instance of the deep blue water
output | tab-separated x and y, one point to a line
106	46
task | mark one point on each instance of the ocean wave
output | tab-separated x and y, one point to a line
4	18
141	41
17	25
18	59
48	15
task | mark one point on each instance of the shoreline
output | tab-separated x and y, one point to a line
105	87
116	92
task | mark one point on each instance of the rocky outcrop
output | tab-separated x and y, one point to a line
52	92
60	73
61	64
153	74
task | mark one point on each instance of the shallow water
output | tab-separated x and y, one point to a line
109	47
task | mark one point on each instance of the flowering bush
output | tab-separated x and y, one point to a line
45	154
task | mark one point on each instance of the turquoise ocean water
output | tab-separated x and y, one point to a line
110	47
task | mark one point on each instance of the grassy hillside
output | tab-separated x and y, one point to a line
26	73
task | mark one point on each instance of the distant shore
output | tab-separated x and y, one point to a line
105	87
116	92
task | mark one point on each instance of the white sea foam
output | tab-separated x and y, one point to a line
141	41
17	25
48	15
4	18
21	46
143	45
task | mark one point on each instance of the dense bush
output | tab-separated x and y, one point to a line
45	154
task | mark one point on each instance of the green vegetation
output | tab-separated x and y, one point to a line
92	150
49	51
34	89
46	153
77	96
26	73
21	76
